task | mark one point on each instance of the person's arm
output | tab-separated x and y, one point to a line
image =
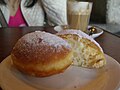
56	11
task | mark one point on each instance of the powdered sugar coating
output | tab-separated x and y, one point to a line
80	34
40	46
45	39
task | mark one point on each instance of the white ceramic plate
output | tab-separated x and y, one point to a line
99	31
74	78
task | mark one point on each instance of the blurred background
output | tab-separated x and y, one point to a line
106	15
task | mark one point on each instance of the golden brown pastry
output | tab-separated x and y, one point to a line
87	52
41	54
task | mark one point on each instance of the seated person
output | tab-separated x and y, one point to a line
22	12
32	12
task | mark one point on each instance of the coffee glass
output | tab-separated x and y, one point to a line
78	15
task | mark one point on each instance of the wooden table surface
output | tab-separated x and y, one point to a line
9	36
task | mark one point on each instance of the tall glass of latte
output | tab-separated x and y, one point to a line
78	15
